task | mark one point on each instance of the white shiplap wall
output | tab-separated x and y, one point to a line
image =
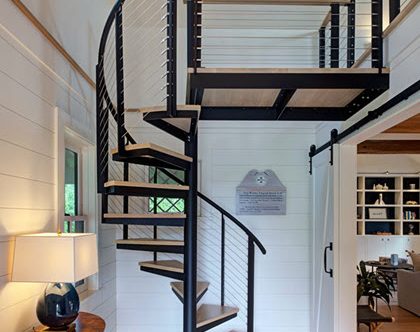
35	83
227	151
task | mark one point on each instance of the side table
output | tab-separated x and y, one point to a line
85	322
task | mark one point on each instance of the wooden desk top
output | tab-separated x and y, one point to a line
85	322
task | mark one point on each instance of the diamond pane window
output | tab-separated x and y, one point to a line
163	204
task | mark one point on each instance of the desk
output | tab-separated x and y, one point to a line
369	317
85	322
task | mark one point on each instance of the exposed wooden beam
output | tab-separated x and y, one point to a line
389	147
53	41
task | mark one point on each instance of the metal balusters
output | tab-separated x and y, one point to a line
251	284
222	268
335	36
120	79
171	101
377	29
351	33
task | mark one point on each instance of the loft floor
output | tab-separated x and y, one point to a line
320	94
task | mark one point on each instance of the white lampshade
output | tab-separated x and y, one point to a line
49	257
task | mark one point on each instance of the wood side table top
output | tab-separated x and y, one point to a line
85	322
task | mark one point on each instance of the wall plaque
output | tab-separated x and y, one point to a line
261	193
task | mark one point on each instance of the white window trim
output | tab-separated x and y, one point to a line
88	203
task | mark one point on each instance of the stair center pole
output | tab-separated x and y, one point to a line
190	239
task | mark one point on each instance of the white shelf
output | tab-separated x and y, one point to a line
399	194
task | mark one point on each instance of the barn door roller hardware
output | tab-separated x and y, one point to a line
371	116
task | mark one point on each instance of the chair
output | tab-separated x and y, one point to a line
409	290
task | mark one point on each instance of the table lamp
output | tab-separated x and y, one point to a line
59	260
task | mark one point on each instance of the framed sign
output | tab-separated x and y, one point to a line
261	193
378	213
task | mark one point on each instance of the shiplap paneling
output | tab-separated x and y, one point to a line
34	80
227	151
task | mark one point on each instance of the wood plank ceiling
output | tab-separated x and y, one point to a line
394	146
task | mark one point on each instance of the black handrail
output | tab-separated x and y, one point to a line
234	220
221	210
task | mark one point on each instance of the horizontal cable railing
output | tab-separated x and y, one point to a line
284	36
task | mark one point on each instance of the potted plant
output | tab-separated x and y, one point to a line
374	285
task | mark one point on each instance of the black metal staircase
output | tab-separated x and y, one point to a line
124	166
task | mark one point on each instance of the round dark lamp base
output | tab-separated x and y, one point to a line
58	306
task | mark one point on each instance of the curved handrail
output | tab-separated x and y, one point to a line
234	220
222	211
102	45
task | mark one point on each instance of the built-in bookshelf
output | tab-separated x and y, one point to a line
399	213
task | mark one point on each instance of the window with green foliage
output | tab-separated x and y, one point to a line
163	204
71	192
71	187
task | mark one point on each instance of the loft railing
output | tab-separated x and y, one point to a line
329	35
136	65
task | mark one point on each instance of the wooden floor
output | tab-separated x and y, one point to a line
404	321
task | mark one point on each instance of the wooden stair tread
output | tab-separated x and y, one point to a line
178	287
152	242
145	216
208	313
167	265
145	185
152	146
189	108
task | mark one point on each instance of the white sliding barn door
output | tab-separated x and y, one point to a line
333	210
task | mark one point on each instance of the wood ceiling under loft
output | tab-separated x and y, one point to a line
395	146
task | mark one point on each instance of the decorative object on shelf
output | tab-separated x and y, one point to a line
60	260
380	200
412	186
410	215
394	260
261	193
411	203
378	187
374	285
377	213
384	233
385	186
410	229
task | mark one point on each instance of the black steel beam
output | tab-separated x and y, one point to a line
271	114
289	80
282	100
371	116
362	100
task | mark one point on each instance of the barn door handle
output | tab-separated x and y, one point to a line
330	271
